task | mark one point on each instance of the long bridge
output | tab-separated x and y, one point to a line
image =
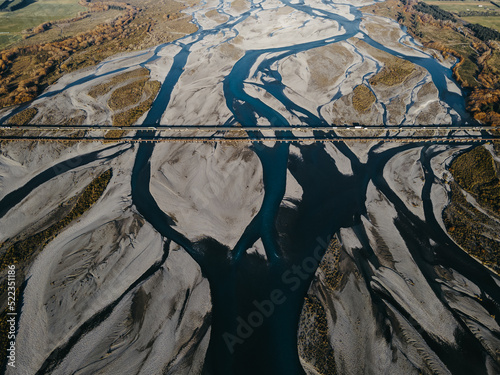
164	133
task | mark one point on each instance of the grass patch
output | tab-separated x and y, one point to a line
475	172
131	115
23	117
489	14
75	120
212	13
78	43
238	5
363	98
8	38
394	72
472	230
127	95
216	16
114	134
104	88
491	22
463	6
35	14
387	8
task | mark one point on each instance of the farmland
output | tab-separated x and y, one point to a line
463	6
491	22
14	22
484	13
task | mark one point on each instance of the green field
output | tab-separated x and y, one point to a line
491	22
33	15
8	38
465	6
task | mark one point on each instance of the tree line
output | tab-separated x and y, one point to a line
484	33
434	11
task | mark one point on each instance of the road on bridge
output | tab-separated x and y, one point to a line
246	134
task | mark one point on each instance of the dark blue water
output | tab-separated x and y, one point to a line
273	347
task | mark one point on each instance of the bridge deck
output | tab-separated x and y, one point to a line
246	128
246	134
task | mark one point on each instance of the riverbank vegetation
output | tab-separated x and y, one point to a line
105	29
475	49
330	265
314	344
475	230
475	172
131	94
148	91
470	228
106	87
363	98
23	117
394	72
128	95
434	11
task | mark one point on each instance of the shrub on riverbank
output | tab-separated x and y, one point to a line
363	98
150	90
314	344
23	117
394	72
41	59
475	173
475	231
